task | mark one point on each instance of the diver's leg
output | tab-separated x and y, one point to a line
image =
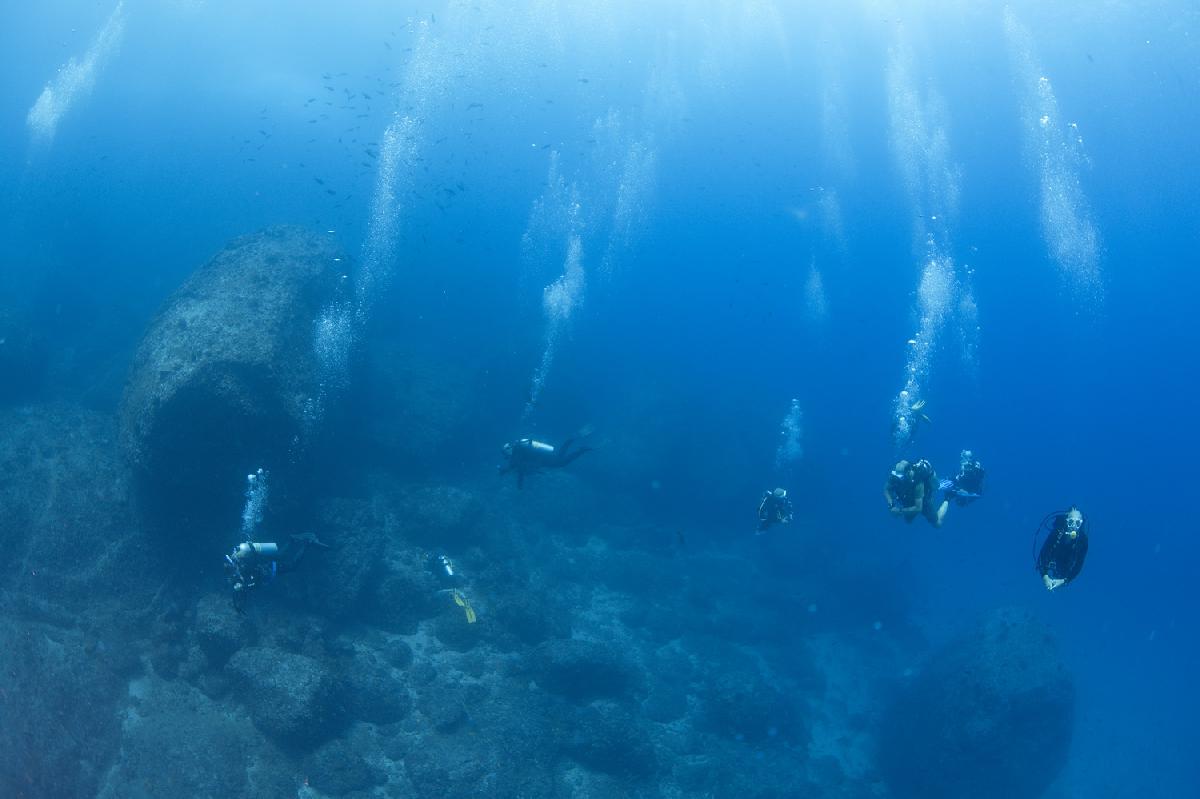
566	457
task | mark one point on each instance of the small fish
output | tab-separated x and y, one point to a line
583	80
330	192
318	180
474	105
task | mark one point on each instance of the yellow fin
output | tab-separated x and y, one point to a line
458	599
470	611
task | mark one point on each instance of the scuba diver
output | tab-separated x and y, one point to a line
526	456
1061	557
775	508
252	563
965	487
909	492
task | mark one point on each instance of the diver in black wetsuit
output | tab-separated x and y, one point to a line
909	492
965	487
775	508
253	563
1061	557
526	456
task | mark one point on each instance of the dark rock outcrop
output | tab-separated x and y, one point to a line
291	698
440	516
218	630
606	738
222	379
583	670
375	691
337	769
990	717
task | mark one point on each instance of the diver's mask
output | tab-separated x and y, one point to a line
1074	523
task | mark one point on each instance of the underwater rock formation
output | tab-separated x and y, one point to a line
223	377
291	698
51	743
989	717
65	526
583	670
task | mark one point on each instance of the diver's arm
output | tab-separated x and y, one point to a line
890	498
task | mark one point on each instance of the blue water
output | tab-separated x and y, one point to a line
720	155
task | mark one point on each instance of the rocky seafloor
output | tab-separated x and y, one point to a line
608	659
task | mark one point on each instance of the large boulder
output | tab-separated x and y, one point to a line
990	717
291	698
583	670
224	377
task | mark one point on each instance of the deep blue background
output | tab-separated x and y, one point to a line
686	358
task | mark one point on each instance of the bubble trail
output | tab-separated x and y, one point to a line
74	80
559	301
1055	147
922	150
791	434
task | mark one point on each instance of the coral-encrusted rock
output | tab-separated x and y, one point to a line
338	769
990	717
291	698
606	738
222	378
219	631
583	670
